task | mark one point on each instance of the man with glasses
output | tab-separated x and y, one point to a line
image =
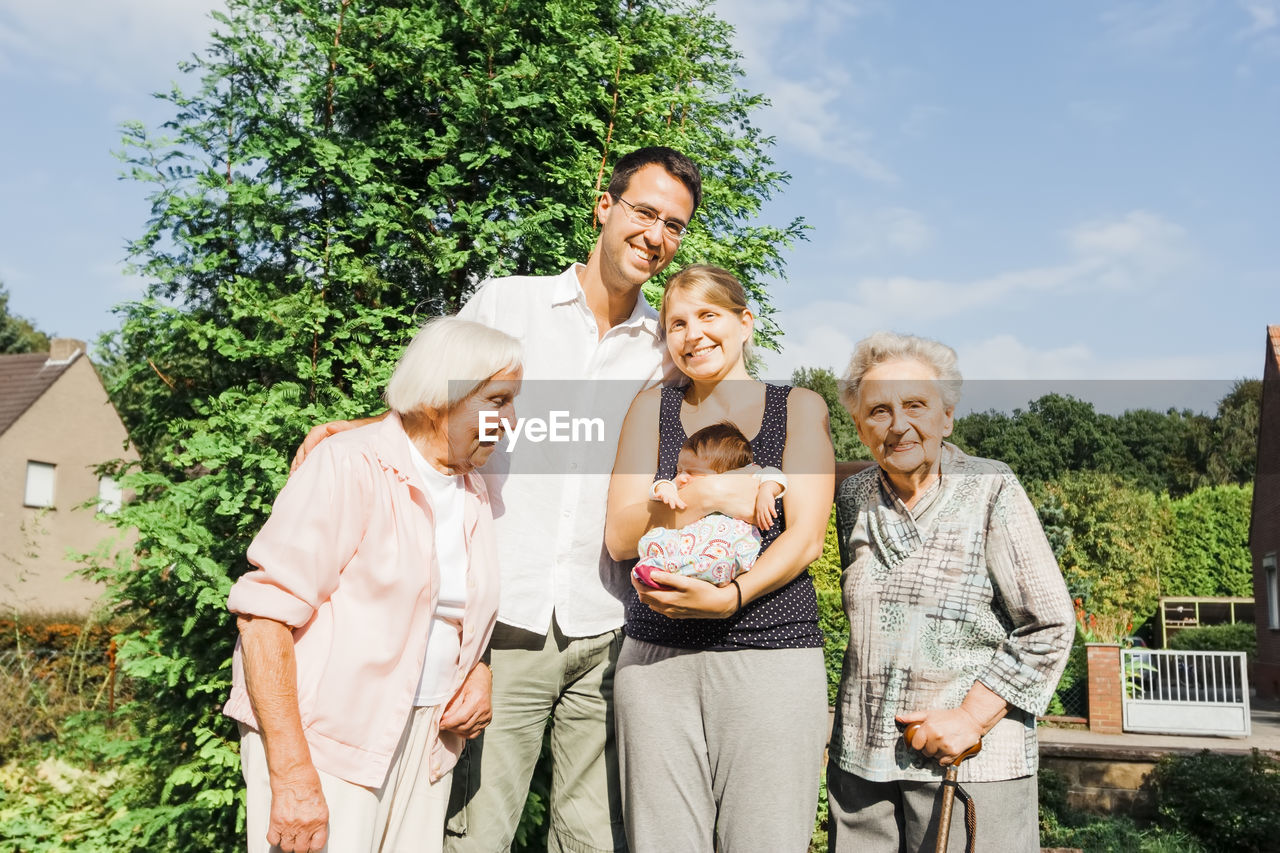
560	617
562	599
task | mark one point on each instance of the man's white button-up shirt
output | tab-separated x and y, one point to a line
550	483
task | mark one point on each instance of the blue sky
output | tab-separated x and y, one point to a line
1080	190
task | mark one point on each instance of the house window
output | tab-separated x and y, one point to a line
1273	592
109	495
39	484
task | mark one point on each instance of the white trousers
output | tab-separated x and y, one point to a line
405	815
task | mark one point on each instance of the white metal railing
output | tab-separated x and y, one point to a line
1173	692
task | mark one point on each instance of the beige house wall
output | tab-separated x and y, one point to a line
74	427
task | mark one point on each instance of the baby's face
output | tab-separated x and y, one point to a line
692	465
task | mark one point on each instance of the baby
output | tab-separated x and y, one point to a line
716	548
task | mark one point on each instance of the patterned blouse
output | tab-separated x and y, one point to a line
961	588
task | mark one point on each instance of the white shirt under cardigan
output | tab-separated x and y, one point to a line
446	494
549	497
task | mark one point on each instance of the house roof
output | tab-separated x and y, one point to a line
23	378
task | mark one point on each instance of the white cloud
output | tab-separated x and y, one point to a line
1264	16
889	230
1152	25
1131	253
116	45
784	54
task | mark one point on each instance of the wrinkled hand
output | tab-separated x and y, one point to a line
319	434
687	598
299	814
470	709
944	733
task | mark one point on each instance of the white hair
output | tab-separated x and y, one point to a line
447	360
881	347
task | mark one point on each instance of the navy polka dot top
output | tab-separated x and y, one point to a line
786	618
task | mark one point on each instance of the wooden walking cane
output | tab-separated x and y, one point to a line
949	784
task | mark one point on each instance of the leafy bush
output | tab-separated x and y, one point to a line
1062	826
832	621
51	667
1236	637
1228	802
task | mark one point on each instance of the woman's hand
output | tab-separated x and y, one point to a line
319	433
299	814
470	709
947	733
687	598
944	733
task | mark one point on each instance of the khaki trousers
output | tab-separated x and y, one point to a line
405	815
540	679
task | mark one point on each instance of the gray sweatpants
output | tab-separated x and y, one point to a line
890	817
719	750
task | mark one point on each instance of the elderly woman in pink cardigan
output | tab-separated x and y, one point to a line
357	675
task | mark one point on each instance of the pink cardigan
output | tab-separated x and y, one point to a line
347	559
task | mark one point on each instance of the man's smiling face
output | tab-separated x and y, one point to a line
631	254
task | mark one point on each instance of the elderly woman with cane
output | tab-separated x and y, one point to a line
357	676
960	622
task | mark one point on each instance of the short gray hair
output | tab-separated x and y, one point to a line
881	347
447	360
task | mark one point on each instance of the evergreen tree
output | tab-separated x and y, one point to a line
343	170
17	334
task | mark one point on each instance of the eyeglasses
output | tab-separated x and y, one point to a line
645	217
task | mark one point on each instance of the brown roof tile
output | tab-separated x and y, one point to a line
23	378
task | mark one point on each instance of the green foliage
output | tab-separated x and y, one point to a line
1235	637
818	842
1227	802
1211	544
832	620
1233	455
1062	826
844	435
1175	452
52	666
17	334
1114	540
74	795
1054	435
339	172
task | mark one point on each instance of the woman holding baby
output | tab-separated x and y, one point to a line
720	692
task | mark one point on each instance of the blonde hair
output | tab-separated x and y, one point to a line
447	360
882	347
710	284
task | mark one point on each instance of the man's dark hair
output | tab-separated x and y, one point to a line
676	164
722	446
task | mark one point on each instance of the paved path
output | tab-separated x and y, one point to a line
1264	717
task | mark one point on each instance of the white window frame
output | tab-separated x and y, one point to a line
110	495
42	478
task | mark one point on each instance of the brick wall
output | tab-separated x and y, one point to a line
1106	698
1264	529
